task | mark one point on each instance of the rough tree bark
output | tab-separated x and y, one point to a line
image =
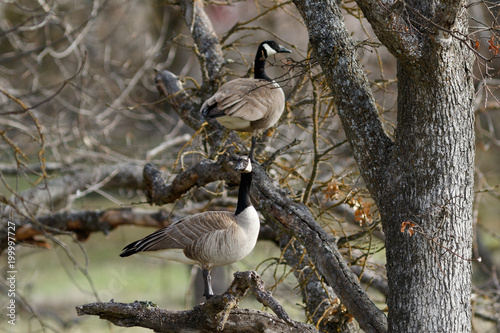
219	314
425	176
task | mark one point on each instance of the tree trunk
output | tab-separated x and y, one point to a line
433	169
432	188
429	274
425	176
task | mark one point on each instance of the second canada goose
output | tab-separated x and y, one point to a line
208	239
246	104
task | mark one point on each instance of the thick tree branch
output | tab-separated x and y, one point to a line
205	39
404	27
169	85
450	12
203	173
211	60
220	313
83	223
28	203
358	112
390	22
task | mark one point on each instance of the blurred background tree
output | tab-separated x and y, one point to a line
81	115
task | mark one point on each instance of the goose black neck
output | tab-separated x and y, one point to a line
259	67
244	193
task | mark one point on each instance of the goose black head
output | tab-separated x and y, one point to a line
270	47
244	165
266	49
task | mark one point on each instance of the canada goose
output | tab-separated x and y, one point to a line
208	239
246	104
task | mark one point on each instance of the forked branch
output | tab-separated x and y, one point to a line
220	313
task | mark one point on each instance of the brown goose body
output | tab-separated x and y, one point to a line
246	105
208	239
249	104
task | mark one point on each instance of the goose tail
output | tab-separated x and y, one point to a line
211	111
130	249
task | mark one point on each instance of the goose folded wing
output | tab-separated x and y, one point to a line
182	233
249	99
212	248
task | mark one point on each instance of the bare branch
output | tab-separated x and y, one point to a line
170	86
160	193
205	39
217	314
83	223
354	99
56	191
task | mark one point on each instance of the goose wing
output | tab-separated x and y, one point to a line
249	99
182	233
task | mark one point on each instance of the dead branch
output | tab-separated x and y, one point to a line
170	87
32	201
83	223
24	207
206	41
322	306
203	173
217	314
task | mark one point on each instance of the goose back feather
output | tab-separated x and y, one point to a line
246	104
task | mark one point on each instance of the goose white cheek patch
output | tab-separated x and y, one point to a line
269	50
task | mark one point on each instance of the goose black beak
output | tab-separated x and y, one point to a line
284	50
